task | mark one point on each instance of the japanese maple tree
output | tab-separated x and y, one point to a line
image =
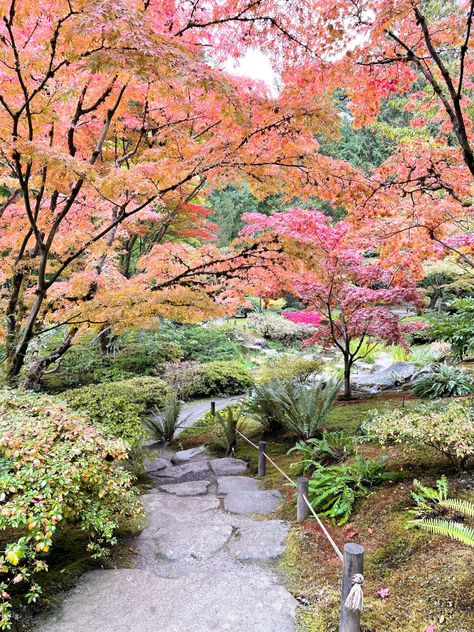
113	118
349	293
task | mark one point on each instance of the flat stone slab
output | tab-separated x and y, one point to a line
191	541
195	470
235	598
229	484
227	466
184	455
260	541
191	488
249	502
155	465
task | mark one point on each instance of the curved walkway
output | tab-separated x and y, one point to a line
205	562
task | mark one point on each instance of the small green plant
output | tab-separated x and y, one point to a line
333	490
444	381
162	423
334	447
227	420
436	513
400	354
365	350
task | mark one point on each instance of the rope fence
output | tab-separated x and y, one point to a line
352	557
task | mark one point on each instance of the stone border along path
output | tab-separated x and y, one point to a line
205	561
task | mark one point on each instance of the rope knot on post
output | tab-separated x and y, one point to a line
355	598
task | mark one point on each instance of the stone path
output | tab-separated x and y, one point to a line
205	561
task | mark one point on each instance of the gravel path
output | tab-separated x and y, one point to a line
205	561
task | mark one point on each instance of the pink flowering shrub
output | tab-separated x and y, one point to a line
55	470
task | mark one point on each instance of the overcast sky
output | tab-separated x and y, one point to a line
256	65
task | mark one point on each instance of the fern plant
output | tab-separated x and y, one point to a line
333	490
227	421
431	503
333	447
443	381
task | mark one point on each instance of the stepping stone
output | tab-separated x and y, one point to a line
249	502
155	465
223	598
189	541
229	484
260	540
189	471
184	455
191	488
163	507
228	466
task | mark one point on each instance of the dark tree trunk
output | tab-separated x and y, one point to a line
347	378
39	365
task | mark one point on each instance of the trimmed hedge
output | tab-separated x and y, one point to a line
222	378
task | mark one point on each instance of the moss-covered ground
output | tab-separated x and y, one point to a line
430	578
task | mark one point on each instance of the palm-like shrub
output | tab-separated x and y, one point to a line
443	381
162	423
227	421
303	408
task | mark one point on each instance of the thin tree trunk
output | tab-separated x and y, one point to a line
39	365
347	378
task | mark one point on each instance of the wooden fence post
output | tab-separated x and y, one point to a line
213	409
301	506
353	564
262	459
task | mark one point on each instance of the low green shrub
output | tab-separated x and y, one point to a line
225	424
443	381
118	407
333	490
57	471
134	354
222	378
289	369
447	427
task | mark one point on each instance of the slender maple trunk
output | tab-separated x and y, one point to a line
38	366
347	377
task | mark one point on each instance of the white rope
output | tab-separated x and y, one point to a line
269	459
355	598
323	528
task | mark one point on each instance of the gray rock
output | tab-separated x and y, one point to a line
185	455
228	466
165	507
155	465
191	541
229	484
234	598
260	541
193	471
191	488
394	376
248	502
